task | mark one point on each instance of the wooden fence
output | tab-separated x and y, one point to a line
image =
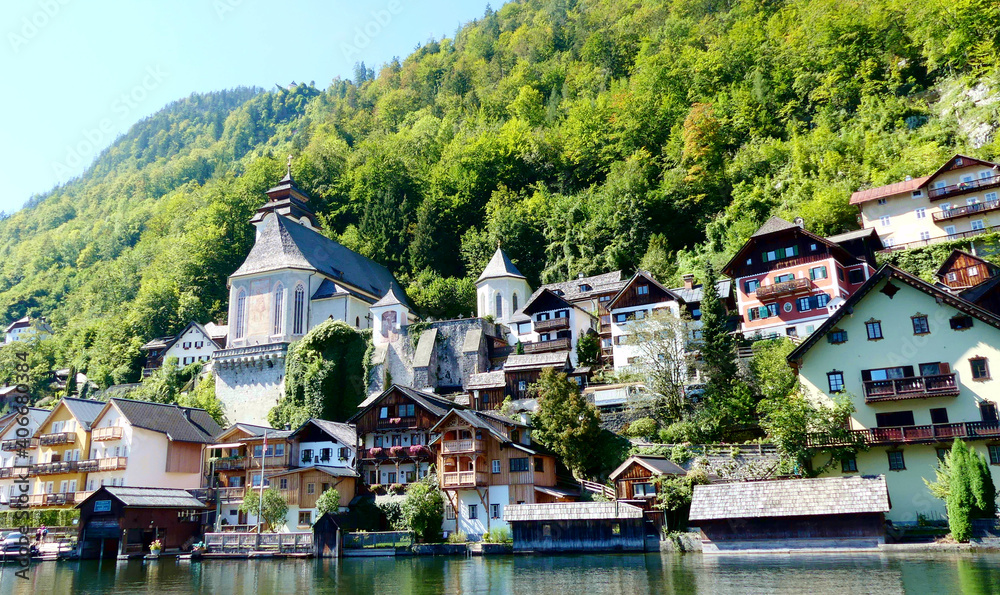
244	543
365	540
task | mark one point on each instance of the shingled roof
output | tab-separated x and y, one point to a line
536	360
790	498
84	410
183	424
870	194
657	464
772	225
344	433
284	244
486	380
148	497
500	266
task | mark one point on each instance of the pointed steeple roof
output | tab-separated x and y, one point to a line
288	200
500	266
390	298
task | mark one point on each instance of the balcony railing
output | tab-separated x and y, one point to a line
18	444
271	461
459	479
233	494
980	207
562	344
397	422
396	452
230	463
948	238
57	438
106	464
112	433
913	387
552	324
60	499
55	468
783	288
458	446
21	470
972	430
963	188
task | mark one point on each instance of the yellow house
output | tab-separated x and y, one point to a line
917	362
63	441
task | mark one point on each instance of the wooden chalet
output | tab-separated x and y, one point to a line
486	390
635	483
831	512
521	371
962	270
241	464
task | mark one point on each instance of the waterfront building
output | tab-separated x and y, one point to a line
18	449
829	513
485	462
577	527
789	280
635	482
196	343
293	279
916	361
63	442
957	201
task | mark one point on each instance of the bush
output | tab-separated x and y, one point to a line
498	535
458	537
423	509
680	431
643	428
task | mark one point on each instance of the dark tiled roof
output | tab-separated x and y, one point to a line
644	275
536	360
603	283
390	298
500	266
973	294
722	289
84	410
790	498
657	464
772	225
151	497
434	404
284	244
344	433
185	424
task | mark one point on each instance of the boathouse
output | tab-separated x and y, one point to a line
118	520
576	527
823	513
635	483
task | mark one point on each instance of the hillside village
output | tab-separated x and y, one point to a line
824	370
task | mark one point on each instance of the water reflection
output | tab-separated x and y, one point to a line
593	575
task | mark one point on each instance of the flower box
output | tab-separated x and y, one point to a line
396	451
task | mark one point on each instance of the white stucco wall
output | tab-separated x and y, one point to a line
475	528
507	287
193	353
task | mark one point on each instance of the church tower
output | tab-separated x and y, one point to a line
286	200
501	289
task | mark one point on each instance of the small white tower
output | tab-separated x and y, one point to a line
389	315
501	290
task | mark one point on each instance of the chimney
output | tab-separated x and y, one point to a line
688	281
800	222
579	275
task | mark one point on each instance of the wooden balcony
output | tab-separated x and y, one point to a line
230	463
18	471
112	433
396	422
57	438
935	433
785	288
269	462
61	499
416	452
552	324
913	387
546	346
981	207
963	188
98	465
18	444
55	468
291	496
233	494
462	446
463	479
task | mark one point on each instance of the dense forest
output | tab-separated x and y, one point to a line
587	135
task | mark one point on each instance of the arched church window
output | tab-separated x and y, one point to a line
513	307
499	306
241	312
357	322
299	312
279	309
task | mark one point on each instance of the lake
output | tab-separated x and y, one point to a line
590	574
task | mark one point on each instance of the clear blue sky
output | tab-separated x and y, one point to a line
79	72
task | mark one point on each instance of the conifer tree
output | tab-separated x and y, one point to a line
960	500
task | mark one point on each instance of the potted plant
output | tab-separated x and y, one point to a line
156	547
376	451
396	451
416	450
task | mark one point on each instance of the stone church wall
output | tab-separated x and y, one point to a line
248	392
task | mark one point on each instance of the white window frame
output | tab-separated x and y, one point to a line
980	222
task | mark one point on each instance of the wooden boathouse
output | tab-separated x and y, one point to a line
576	527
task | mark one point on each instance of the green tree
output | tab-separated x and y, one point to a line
673	497
565	422
328	502
661	341
961	499
802	431
588	349
643	428
203	397
271	508
773	378
423	509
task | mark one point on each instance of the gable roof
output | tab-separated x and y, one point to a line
657	464
571	511
790	498
772	225
484	380
890	272
35	415
943	269
644	275
434	404
344	433
147	497
500	266
85	411
948	166
284	244
870	194
182	424
473	419
390	298
603	283
976	292
251	429
722	289
775	225
19	323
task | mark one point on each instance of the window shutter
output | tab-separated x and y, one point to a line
945	367
866	375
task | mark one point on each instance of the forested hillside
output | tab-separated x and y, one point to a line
587	135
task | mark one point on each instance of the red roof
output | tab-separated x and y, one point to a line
882	191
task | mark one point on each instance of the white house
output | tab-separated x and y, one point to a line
501	289
549	323
641	298
26	328
17	437
196	343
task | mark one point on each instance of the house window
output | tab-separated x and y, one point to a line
961	323
473	511
494	511
522	385
849	465
920	326
299	310
519	465
836	381
279	309
874	330
539	465
784	278
925	235
513	307
392	477
980	368
972	271
990	196
642	290
837	336
372	478
310	488
283	483
884	221
921	212
882	201
383	413
917	194
449	512
817	273
894	419
751	286
952	276
988	412
498	306
305	518
994	454
939	415
241	312
642	490
949	230
896	462
978	224
407	410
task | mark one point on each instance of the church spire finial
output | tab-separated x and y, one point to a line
498	243
289	166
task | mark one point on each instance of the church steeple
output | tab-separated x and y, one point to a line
287	200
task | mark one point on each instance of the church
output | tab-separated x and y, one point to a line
293	279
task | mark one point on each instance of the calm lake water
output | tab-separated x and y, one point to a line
590	574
